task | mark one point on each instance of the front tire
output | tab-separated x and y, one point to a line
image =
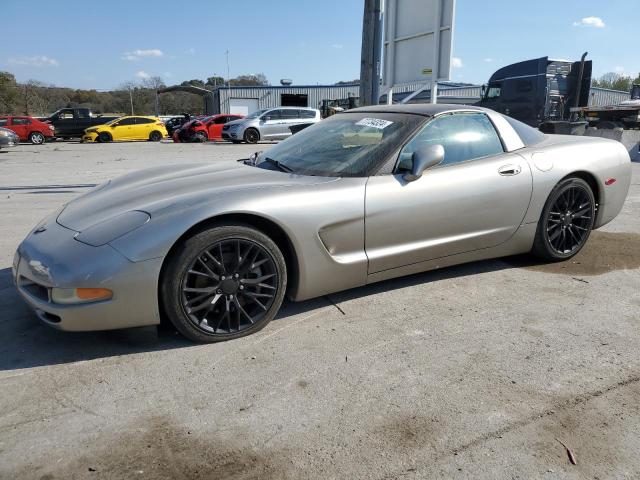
36	138
104	137
251	135
200	137
223	283
566	221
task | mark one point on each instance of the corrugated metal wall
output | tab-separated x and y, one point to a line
599	97
269	97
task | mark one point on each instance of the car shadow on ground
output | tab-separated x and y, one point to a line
26	342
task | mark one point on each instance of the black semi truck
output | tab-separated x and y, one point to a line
541	93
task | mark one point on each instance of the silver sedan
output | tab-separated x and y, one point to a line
363	196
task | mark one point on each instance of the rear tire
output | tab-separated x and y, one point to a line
223	283
566	221
155	136
37	138
104	137
251	135
609	125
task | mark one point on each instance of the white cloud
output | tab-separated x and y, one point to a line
456	62
337	45
35	61
488	60
590	22
142	74
138	54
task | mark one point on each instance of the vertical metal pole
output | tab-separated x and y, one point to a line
228	102
377	52
435	75
157	104
131	100
366	54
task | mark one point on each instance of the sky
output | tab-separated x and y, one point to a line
101	45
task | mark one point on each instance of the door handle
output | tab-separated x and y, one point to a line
508	170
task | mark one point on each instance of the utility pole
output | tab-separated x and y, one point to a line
371	52
131	99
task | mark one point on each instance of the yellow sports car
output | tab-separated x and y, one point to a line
127	128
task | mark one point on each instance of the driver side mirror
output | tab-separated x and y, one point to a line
423	159
114	125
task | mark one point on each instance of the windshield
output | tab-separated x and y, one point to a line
256	114
344	145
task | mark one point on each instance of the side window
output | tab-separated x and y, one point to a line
3	121
66	115
126	121
494	90
290	113
21	121
307	114
83	113
464	136
142	121
274	114
221	120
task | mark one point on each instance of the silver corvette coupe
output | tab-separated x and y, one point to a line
363	196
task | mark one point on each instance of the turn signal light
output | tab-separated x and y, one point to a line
610	181
68	296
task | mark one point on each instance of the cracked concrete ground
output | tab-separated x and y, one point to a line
476	371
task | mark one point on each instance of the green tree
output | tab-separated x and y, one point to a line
8	93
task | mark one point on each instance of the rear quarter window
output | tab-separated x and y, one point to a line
528	135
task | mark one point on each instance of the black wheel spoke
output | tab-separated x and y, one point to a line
569	220
240	270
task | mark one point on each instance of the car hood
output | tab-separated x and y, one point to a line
164	189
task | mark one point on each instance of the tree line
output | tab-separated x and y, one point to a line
39	99
616	81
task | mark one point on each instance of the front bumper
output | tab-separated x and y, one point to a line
53	258
90	137
9	141
231	135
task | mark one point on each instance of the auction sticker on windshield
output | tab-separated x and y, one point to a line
374	122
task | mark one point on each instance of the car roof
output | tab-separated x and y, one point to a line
290	108
425	109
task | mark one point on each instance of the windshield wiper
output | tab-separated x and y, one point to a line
280	166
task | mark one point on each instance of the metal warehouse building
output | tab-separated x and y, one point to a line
244	100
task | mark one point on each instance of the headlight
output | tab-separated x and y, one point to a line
107	231
91	130
5	133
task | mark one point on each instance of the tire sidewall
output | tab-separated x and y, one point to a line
155	136
170	288
542	244
104	137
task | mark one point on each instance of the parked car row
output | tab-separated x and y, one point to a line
268	124
28	129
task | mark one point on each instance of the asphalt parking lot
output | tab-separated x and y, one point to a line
478	371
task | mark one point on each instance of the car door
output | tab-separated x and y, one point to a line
290	117
65	122
271	125
20	125
142	128
476	198
215	127
123	129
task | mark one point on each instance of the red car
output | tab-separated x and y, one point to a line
28	129
203	129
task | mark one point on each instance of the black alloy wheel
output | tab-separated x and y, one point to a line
567	220
225	283
251	136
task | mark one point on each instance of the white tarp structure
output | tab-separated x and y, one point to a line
418	37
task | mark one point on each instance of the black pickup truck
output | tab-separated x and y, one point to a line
71	122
